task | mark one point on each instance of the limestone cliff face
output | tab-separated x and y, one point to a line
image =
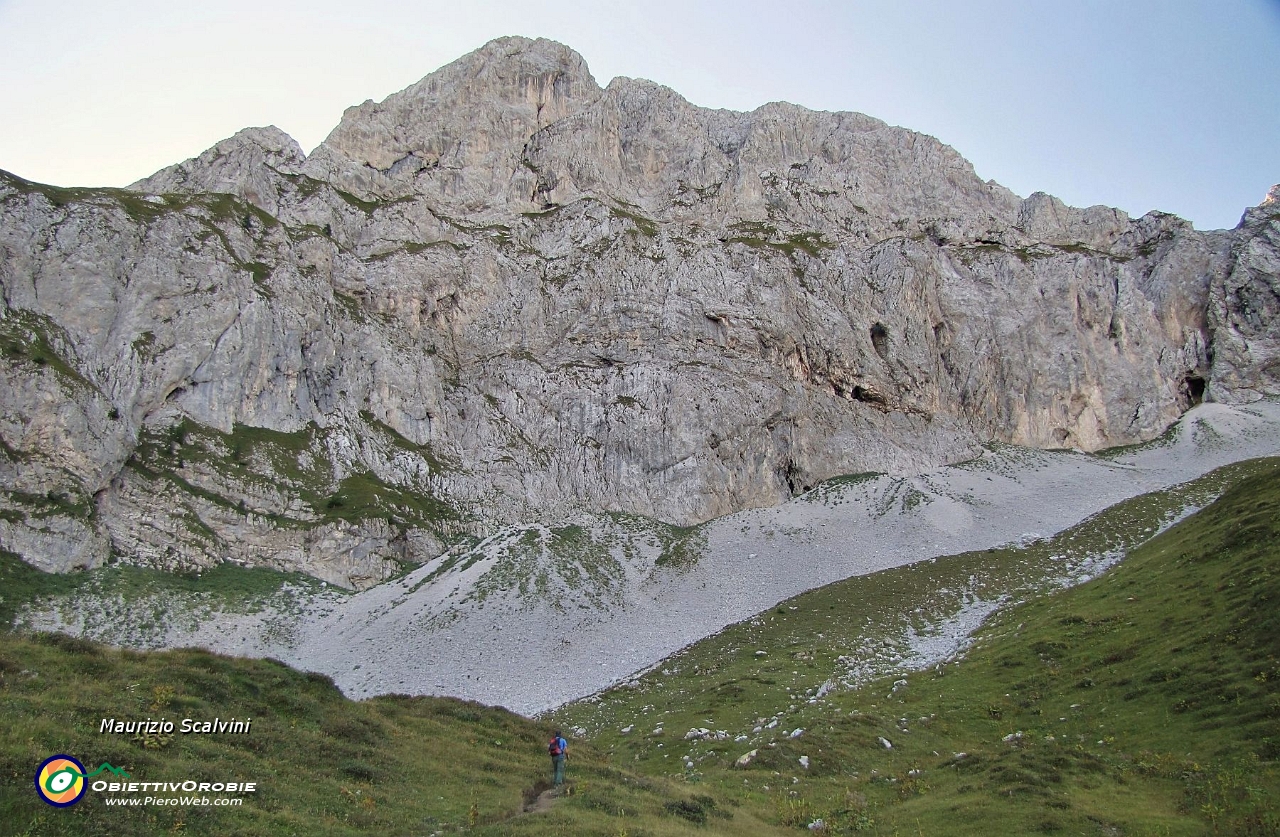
505	294
457	135
1244	309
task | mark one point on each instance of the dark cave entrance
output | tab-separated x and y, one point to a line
1194	385
880	340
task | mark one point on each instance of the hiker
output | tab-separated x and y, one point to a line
557	748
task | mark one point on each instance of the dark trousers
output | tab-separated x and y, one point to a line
557	770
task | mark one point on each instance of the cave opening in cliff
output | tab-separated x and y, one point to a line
796	483
1194	385
880	339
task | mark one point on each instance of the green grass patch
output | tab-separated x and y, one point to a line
279	468
414	248
72	502
143	209
561	565
1169	437
646	226
760	235
308	187
1143	702
351	307
21	583
364	206
324	765
248	455
987	250
361	496
433	459
36	341
682	546
121	588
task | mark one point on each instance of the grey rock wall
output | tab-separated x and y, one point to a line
506	295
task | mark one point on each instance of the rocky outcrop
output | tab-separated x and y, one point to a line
456	137
255	165
1244	310
505	294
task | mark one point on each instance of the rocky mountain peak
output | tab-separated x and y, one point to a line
1265	211
781	165
457	134
504	294
248	165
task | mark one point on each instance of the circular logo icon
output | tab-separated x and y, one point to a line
60	781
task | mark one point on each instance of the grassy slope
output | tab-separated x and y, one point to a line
325	765
224	587
1163	671
1147	700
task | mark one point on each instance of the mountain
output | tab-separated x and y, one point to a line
507	296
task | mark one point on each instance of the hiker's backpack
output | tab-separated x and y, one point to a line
554	747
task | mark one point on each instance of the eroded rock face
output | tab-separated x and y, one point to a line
253	165
1244	310
457	135
505	294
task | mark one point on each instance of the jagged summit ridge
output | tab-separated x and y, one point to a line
521	125
527	298
458	133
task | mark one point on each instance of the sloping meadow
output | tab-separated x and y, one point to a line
1142	702
321	764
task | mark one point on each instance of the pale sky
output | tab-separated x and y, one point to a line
1140	104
